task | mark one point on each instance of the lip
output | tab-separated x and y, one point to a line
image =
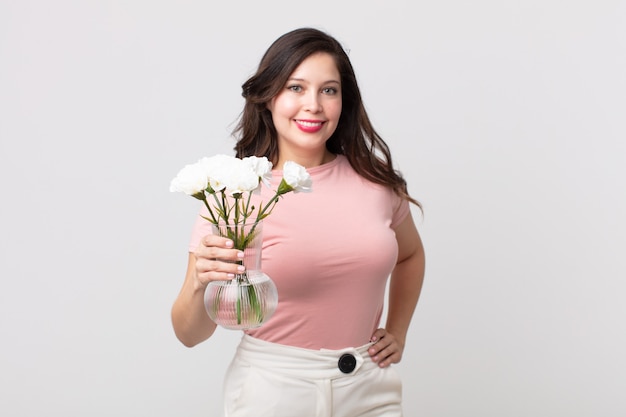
309	126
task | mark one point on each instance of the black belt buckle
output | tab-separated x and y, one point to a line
347	363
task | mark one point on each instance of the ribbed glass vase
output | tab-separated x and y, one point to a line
250	298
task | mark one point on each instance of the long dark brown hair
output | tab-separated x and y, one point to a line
354	136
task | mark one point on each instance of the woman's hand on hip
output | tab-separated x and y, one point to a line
387	349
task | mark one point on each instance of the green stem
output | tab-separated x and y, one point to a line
246	210
206	203
237	240
254	303
273	202
238	304
224	204
220	207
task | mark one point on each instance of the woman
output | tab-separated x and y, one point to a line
329	252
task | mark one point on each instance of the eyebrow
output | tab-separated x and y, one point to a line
303	80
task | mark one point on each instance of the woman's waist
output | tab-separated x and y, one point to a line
303	362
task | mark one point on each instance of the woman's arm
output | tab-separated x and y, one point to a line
191	322
404	291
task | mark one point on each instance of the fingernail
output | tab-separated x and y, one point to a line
241	268
229	244
239	254
231	276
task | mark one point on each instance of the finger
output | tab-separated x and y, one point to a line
204	265
378	334
386	350
382	339
215	259
214	253
208	270
393	358
206	277
216	240
381	350
217	247
389	354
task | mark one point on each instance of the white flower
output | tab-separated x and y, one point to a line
295	178
218	168
262	167
191	180
240	177
227	179
230	173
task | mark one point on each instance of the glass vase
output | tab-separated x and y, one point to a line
250	298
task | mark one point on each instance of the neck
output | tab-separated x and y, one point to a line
306	161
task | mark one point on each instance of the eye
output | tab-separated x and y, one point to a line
295	88
331	91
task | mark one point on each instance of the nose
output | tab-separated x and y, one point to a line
313	103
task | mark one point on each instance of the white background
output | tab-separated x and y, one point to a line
506	117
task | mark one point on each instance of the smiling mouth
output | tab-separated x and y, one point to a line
306	123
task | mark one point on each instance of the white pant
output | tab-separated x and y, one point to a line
270	380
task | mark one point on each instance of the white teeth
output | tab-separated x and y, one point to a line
309	124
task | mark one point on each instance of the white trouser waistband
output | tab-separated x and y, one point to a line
303	363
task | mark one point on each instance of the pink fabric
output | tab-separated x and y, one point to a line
330	253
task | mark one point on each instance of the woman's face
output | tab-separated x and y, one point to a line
306	111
